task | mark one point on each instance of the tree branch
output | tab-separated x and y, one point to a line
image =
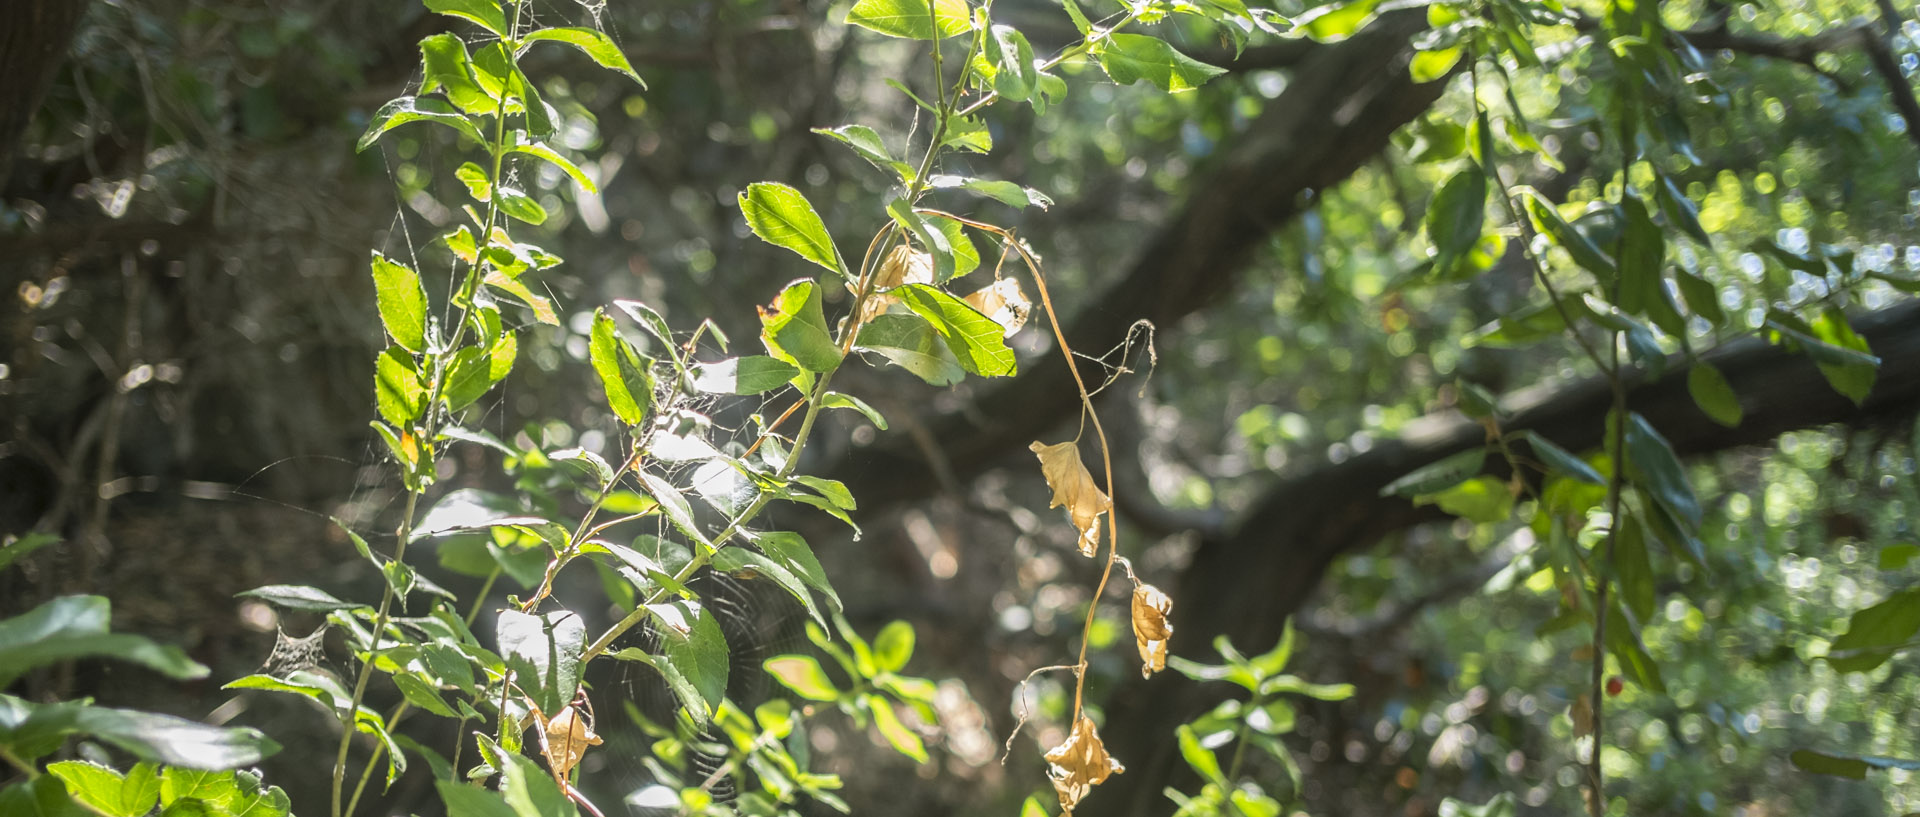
1276	557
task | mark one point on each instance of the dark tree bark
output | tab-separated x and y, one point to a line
34	35
1245	584
1342	105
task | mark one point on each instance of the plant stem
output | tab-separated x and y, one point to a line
429	433
379	750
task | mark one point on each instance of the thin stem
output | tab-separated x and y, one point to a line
429	433
480	598
379	751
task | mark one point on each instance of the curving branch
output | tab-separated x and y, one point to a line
1343	104
1266	569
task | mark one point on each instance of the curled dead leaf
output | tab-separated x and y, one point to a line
1151	631
1079	764
1004	302
903	265
564	740
1073	487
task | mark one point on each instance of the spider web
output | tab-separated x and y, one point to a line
293	654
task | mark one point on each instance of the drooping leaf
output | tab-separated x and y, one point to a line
408	109
866	142
912	19
736	559
1657	470
1546	218
1129	58
781	216
626	376
1633	568
1007	193
791	550
673	505
833	399
299	597
1561	460
403	303
1073	487
1455	217
546	153
595	44
1642	251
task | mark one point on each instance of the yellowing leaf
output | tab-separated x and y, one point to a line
1004	302
1079	764
1073	487
565	741
1151	631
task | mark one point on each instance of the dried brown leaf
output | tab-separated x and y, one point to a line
566	739
1004	302
1151	630
1582	714
1079	764
903	265
1073	487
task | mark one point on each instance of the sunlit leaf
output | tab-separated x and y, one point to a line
595	44
1129	58
912	19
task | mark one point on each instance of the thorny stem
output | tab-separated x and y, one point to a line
429	432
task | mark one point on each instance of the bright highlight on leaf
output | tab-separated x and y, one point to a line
1151	631
1073	487
909	18
1079	764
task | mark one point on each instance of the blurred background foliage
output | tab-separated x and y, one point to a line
184	226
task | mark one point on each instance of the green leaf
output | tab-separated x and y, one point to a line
1334	22
1624	642
1455	217
792	552
752	374
1875	633
736	560
833	490
595	44
546	153
409	109
1898	556
422	694
781	216
803	675
1546	218
833	399
403	303
1560	460
130	795
1129	58
910	19
175	741
977	342
475	371
867	143
1428	66
1199	757
1713	394
1679	210
1006	193
1012	57
69	627
521	206
903	739
1633	567
1483	499
794	329
625	375
673	505
45	796
470	800
446	67
1438	476
1657	470
691	641
541	307
546	650
893	646
1703	298
1849	766
911	343
1850	374
396	388
1643	250
486	13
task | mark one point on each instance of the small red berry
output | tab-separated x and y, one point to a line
1614	686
